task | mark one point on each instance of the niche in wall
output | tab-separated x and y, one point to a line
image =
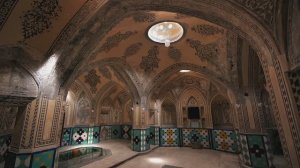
193	114
221	112
168	113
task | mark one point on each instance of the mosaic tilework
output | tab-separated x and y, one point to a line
96	135
257	151
244	155
156	135
152	135
125	134
105	133
90	135
195	136
23	161
186	136
116	131
140	140
79	136
4	144
224	140
66	137
43	159
268	150
169	137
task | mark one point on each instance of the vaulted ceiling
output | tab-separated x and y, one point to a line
95	44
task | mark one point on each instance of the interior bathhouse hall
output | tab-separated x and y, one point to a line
150	83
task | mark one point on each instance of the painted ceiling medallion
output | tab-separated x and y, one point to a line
165	32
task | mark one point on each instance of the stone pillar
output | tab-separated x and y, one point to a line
140	132
37	134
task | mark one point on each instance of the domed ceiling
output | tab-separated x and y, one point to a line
125	54
204	45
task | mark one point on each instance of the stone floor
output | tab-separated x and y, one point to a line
120	150
163	157
172	157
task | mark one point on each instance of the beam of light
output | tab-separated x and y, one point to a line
156	160
48	66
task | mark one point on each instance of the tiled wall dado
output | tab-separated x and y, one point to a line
93	135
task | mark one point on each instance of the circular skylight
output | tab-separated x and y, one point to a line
165	32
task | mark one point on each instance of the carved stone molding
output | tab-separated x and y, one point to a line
264	9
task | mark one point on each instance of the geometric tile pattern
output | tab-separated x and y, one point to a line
96	135
244	155
224	140
187	136
152	135
258	154
268	150
23	161
169	137
126	129
140	140
4	144
156	135
80	136
195	136
116	131
90	135
105	133
43	159
66	137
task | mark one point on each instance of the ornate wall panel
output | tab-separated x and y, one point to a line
224	140
140	140
40	17
80	136
169	137
195	136
43	159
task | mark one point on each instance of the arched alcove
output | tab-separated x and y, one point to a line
168	113
83	111
222	112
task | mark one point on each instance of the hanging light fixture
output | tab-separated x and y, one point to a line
165	32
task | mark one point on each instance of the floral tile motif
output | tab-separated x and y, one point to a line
224	140
169	137
80	136
126	129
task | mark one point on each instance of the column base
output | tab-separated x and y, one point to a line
140	140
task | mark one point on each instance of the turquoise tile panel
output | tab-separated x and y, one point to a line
80	136
43	159
258	153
